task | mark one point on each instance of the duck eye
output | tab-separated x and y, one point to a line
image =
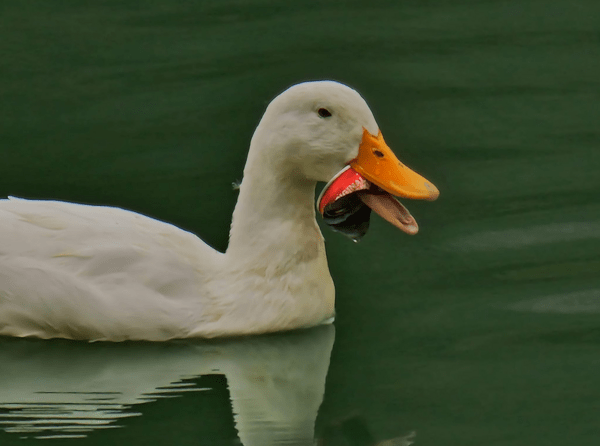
324	113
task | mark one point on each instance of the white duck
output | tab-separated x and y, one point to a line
100	273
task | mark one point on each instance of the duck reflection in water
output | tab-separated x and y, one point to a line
70	389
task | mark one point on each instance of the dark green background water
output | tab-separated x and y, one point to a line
482	329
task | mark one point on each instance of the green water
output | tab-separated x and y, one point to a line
482	329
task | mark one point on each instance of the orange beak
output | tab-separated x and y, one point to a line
370	182
378	164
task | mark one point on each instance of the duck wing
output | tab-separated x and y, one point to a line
92	272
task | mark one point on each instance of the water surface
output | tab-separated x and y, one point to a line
482	329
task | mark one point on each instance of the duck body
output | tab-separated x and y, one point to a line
101	273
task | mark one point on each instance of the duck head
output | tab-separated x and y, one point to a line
325	132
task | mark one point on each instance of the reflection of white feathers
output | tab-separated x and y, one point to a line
69	389
405	440
101	273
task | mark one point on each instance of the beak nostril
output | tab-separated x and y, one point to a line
377	153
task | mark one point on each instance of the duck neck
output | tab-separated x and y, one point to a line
274	217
